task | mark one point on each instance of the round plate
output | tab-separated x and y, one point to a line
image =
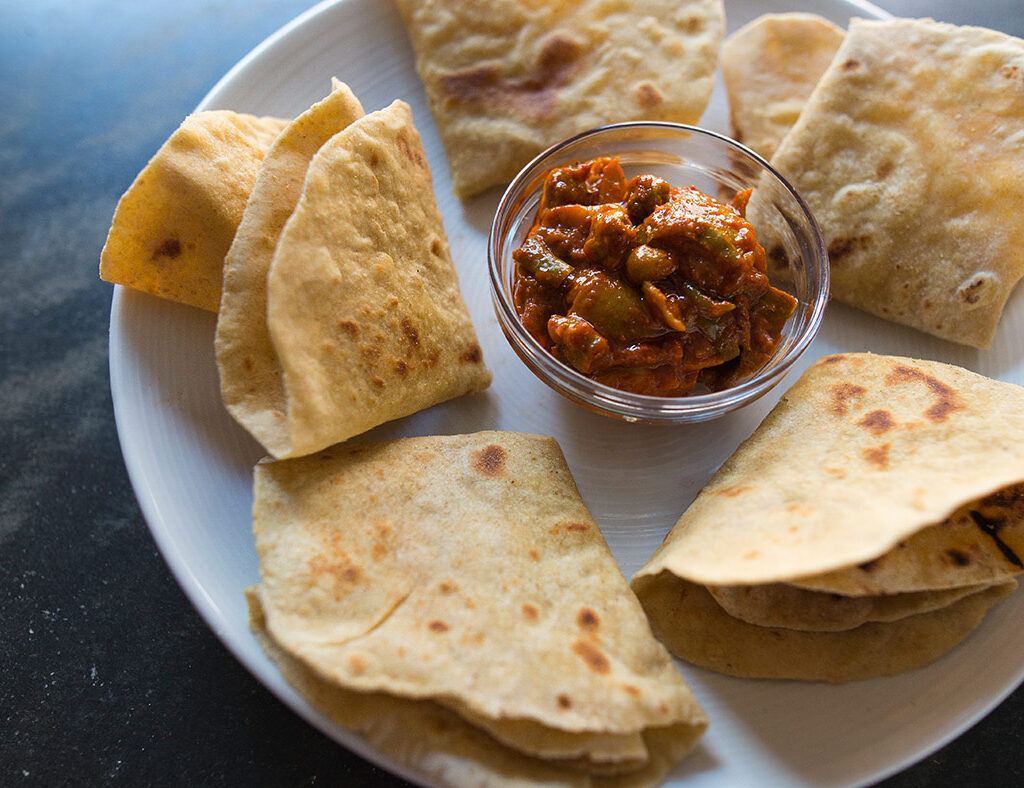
191	465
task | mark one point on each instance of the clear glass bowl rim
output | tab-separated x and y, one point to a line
615	402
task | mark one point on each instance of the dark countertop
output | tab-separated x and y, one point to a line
108	672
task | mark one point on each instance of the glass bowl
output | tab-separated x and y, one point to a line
682	155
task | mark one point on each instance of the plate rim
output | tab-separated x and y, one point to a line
263	669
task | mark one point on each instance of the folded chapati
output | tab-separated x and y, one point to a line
769	68
463	578
878	508
251	381
174	225
505	79
342	307
910	154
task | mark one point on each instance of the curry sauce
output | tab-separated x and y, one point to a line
646	287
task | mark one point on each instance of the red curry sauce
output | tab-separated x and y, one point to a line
646	287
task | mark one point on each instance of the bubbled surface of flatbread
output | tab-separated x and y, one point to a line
910	154
363	303
466	570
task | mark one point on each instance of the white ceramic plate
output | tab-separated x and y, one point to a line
191	465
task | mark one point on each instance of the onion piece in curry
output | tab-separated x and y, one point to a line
646	287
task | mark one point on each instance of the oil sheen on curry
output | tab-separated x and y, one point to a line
646	287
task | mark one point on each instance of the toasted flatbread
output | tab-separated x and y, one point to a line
910	154
770	66
465	571
251	381
879	490
174	225
363	319
506	79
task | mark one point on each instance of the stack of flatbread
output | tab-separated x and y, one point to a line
506	78
452	600
864	529
174	225
320	246
341	306
910	154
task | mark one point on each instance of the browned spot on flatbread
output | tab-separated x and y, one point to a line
411	334
850	64
733	490
877	422
1011	71
563	701
170	249
377	381
248	363
356	664
534	555
410	151
587	619
534	95
593	656
472	355
631	690
530	611
842	247
574	527
342	569
692	24
401	368
958	557
438	626
647	95
946	399
972	293
877	456
835	359
349	326
842	393
490	460
448	587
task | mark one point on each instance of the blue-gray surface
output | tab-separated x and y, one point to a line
108	675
